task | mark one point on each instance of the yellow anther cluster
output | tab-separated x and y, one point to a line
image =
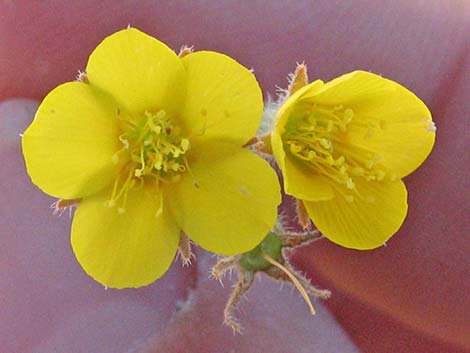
316	136
155	147
153	150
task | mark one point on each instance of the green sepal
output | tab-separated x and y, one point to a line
253	261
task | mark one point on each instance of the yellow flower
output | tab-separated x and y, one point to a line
343	148
152	145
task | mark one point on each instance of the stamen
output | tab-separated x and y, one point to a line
140	171
294	280
153	150
184	145
195	183
111	202
124	141
315	136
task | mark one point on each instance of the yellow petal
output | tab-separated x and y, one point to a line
366	223
298	182
131	249
69	146
304	184
277	147
388	119
229	203
223	100
283	114
282	117
141	72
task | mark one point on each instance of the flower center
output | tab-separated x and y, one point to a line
154	150
317	137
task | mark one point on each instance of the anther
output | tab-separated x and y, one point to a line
184	144
326	144
295	148
311	155
350	184
348	116
340	161
124	141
